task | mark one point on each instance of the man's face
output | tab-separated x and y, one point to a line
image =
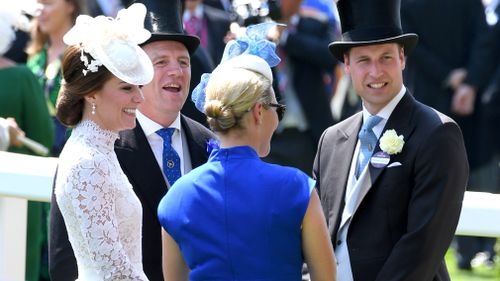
376	73
192	4
166	94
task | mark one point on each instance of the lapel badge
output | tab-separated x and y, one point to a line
380	159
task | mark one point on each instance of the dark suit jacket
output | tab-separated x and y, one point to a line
137	161
445	43
406	221
459	40
490	100
200	63
310	59
217	27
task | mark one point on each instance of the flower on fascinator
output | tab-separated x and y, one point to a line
252	42
114	44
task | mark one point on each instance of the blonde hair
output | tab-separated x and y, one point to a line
231	93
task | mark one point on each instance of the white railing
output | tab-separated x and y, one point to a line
25	178
22	177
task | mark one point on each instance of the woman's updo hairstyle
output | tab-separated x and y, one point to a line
234	88
75	85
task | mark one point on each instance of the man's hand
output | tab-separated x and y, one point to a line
14	132
456	78
463	100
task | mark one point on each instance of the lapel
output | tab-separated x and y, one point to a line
358	189
139	164
197	137
344	145
400	121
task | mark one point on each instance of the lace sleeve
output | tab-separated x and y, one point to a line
93	198
4	135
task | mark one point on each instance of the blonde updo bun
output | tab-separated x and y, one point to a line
219	118
230	93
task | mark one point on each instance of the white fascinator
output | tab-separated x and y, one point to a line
13	17
114	43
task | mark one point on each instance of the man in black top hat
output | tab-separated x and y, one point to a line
140	150
393	206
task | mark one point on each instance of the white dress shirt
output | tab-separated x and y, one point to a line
353	191
179	142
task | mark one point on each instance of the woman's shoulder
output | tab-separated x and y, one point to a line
23	78
78	155
17	70
286	176
285	170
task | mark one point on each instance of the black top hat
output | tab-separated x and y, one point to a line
163	20
367	22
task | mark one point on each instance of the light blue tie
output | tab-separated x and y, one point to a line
368	140
171	160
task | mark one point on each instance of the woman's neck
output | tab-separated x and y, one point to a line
237	137
56	44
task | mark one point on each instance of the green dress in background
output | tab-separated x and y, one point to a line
21	97
49	77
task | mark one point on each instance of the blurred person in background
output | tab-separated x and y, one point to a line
449	70
107	8
9	132
476	251
21	98
45	51
305	78
209	24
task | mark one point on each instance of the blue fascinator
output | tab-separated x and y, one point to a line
253	42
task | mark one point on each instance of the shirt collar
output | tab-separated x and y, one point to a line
198	12
150	127
387	110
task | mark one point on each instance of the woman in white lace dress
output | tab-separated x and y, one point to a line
102	69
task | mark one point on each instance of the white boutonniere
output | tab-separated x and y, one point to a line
391	143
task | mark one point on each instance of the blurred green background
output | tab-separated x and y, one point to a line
480	270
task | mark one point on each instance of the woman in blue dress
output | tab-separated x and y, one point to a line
237	217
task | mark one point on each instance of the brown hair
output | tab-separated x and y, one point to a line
39	39
76	85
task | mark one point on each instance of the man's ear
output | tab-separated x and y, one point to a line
402	58
346	63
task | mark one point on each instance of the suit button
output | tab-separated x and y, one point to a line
339	242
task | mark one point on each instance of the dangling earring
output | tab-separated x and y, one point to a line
93	108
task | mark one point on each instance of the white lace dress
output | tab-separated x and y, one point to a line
102	214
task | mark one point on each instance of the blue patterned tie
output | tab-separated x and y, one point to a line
368	140
171	160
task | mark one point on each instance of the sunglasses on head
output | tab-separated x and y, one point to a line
280	109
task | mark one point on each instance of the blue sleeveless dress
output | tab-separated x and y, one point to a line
239	218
